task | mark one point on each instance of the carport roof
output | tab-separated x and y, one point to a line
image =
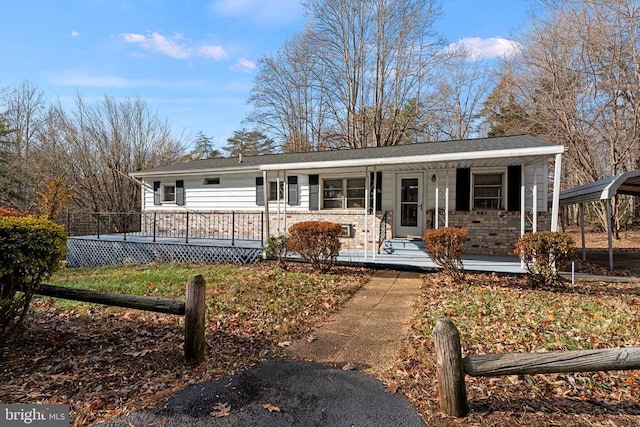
604	189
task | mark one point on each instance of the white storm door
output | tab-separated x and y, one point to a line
409	215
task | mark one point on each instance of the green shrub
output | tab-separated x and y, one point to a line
277	249
542	252
30	249
444	246
316	242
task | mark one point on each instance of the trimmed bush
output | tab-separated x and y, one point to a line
444	246
30	249
542	252
277	249
316	242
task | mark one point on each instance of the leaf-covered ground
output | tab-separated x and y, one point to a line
105	361
498	314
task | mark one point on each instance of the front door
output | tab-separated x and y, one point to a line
409	215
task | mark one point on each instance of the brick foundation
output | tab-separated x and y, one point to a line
493	232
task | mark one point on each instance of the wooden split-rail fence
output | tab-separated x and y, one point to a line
193	309
451	367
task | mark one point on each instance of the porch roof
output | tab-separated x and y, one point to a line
496	150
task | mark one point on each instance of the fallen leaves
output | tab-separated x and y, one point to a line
221	410
105	361
271	408
499	314
392	388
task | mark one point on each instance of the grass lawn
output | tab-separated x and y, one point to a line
500	315
104	361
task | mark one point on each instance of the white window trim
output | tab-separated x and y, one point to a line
489	171
345	190
283	191
163	198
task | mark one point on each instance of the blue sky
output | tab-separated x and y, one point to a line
193	61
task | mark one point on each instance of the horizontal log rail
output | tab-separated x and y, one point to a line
606	359
193	309
158	305
451	367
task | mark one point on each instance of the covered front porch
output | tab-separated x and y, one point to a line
113	249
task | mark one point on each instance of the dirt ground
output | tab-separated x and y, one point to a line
626	250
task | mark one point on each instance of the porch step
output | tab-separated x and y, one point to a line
400	245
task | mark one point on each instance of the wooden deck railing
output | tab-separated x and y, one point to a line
186	225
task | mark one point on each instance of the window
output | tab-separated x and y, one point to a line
211	181
169	193
487	191
273	192
343	193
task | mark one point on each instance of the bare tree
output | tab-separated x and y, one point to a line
578	80
350	79
22	107
462	86
94	147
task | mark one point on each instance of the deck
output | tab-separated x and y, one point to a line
116	249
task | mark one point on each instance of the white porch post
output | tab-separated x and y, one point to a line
376	235
446	199
556	192
609	233
286	197
277	201
367	189
534	204
523	211
437	215
265	195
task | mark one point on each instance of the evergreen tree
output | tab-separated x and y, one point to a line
249	143
203	147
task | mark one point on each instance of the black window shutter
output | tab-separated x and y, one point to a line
514	182
378	190
156	192
463	189
259	191
292	196
314	192
180	193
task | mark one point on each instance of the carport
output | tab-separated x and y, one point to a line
627	183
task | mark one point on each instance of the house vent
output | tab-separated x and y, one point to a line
347	230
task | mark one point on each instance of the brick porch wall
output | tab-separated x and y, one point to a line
355	219
493	232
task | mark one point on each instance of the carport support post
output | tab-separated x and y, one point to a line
584	246
194	320
609	233
449	369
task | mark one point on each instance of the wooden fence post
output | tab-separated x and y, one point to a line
194	320
449	369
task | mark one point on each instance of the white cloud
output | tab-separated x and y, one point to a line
175	47
273	12
244	65
74	33
495	47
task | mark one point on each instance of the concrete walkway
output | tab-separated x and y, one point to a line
365	334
